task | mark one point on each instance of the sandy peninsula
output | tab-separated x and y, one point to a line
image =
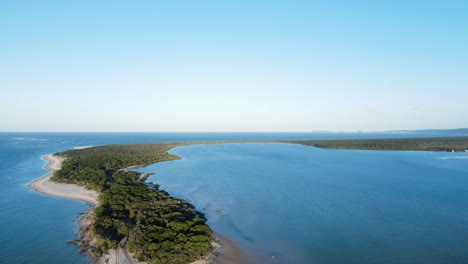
224	250
70	191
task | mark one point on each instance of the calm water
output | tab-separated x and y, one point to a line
346	196
297	204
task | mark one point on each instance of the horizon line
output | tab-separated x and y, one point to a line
313	131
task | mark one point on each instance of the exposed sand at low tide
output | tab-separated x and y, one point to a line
71	191
226	252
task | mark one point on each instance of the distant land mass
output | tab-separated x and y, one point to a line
448	144
455	131
459	131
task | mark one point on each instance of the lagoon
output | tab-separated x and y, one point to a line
430	190
297	204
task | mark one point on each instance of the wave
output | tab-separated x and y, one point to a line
454	157
29	139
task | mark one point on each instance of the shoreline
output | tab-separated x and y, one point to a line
74	192
224	250
70	191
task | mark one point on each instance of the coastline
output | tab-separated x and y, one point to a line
69	191
72	191
223	249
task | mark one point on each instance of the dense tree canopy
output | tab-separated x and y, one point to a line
426	144
159	228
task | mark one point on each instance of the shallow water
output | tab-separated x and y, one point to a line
36	228
298	204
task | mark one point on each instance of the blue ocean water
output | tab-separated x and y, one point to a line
297	204
36	228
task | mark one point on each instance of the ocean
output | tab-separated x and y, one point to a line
287	203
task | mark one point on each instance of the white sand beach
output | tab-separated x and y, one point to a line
71	191
224	250
83	147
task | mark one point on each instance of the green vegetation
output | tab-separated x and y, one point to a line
159	228
425	144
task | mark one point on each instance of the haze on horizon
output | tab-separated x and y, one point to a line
233	66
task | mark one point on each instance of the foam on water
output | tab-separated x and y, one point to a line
454	157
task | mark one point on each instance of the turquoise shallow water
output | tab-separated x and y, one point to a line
298	204
35	228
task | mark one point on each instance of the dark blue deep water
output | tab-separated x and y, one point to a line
288	203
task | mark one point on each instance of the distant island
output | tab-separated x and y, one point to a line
154	226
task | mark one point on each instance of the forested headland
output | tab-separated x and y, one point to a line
458	144
160	228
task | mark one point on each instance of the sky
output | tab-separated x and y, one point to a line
233	65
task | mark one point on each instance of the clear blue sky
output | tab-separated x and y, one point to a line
233	65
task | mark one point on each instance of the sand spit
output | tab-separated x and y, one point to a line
70	191
224	250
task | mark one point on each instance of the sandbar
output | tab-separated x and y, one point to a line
70	191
